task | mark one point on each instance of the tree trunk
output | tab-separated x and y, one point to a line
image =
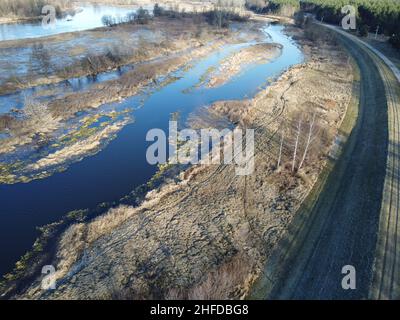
308	141
296	145
280	151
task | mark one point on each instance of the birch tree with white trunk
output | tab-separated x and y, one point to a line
296	145
280	149
310	138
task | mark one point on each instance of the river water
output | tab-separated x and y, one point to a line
121	166
88	17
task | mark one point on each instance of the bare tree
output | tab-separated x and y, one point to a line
296	145
280	148
36	112
310	138
40	59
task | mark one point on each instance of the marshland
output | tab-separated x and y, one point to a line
76	103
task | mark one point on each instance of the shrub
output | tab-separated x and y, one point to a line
363	30
395	40
108	21
142	16
6	122
158	11
40	58
299	19
30	8
221	17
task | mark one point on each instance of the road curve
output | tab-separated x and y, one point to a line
386	276
354	220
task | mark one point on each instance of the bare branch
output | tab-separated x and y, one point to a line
309	140
296	144
280	149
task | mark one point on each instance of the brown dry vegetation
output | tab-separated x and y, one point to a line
234	279
129	83
208	235
15	10
173	50
232	65
6	122
33	127
186	5
79	149
121	44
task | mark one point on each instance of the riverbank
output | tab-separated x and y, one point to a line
117	46
186	5
212	227
39	128
238	61
18	11
106	176
7	20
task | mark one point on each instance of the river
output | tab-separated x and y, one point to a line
121	165
87	17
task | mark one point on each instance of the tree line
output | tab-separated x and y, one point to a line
220	16
30	8
372	15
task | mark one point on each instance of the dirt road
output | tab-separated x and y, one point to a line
386	279
354	221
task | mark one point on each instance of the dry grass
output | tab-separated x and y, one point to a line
113	90
80	236
128	84
231	280
79	149
232	65
123	44
93	64
37	122
183	241
7	122
30	8
173	40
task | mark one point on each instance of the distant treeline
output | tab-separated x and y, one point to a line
29	8
219	16
273	6
373	13
383	15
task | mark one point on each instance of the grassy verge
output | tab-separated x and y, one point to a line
292	239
